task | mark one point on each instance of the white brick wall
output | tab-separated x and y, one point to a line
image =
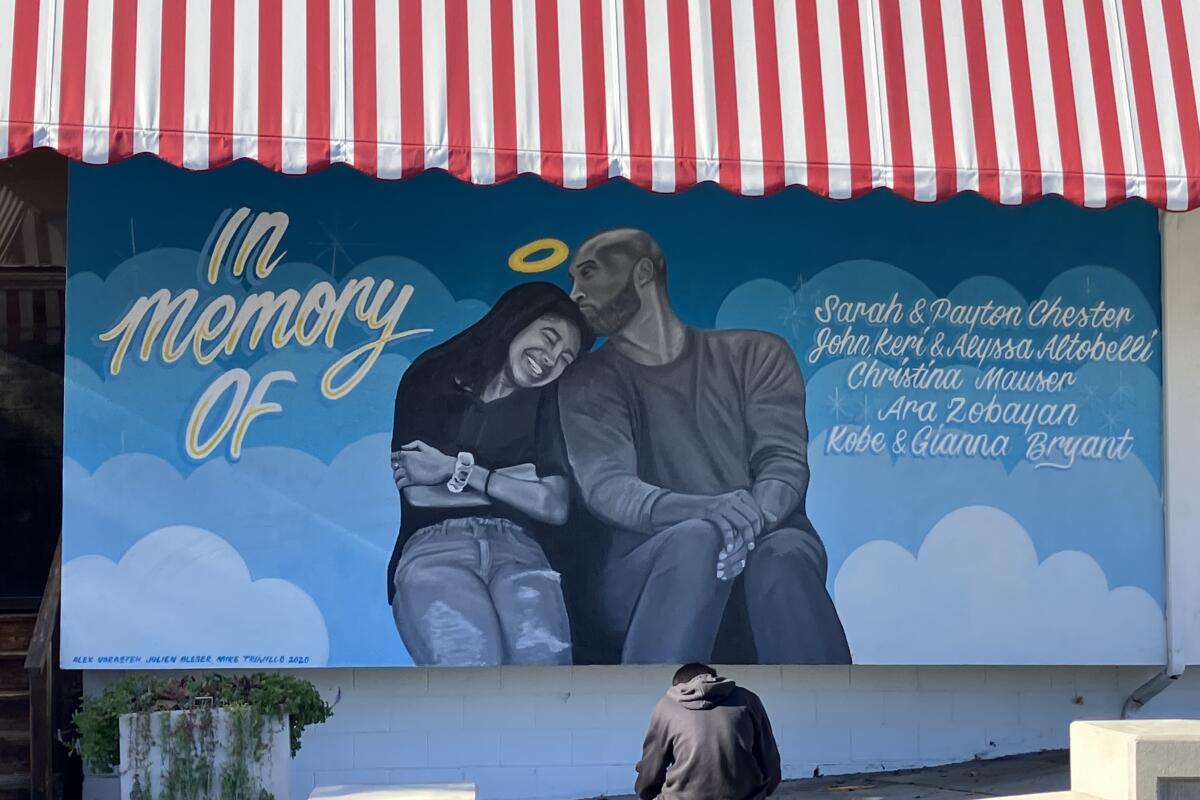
525	733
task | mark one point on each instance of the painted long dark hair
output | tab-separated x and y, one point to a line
464	364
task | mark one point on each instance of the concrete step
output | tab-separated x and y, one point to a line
1136	759
439	791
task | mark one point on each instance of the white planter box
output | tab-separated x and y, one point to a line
1135	759
212	733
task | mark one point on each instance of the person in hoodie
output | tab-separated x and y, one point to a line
709	739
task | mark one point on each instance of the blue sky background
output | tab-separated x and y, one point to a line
324	518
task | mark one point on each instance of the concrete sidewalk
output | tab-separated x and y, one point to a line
1038	772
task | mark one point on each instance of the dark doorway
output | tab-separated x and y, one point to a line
33	224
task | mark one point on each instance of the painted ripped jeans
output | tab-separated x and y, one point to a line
479	591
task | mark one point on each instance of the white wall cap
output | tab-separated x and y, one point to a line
442	791
1187	730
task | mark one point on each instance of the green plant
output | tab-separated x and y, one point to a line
255	699
189	745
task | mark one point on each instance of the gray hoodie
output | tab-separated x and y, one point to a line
709	739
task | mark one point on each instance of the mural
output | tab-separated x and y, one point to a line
334	421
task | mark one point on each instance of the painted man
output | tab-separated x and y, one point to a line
691	446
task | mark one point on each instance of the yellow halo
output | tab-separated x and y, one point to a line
519	260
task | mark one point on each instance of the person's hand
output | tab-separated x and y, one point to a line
739	519
730	565
418	464
399	474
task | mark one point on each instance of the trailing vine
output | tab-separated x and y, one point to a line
247	745
187	754
189	742
139	757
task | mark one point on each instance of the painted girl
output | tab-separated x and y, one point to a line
477	455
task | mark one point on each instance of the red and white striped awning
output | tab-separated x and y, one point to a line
1092	99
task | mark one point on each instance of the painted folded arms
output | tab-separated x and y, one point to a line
438	496
536	486
545	499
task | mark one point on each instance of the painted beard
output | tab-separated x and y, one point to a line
613	316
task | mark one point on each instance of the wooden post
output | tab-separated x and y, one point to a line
41	663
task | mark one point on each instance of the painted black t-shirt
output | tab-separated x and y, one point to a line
520	428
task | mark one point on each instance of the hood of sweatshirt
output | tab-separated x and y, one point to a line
702	692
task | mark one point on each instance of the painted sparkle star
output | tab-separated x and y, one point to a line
1111	423
795	315
836	403
133	245
864	408
1124	391
335	243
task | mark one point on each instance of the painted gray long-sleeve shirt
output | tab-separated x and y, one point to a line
725	414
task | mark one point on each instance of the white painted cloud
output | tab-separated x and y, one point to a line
977	594
180	591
